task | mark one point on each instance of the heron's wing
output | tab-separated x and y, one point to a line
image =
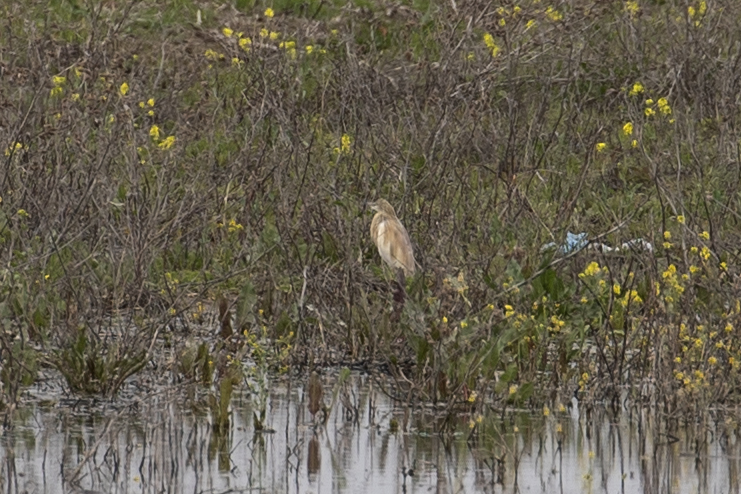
393	243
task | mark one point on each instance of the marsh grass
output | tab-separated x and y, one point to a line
155	164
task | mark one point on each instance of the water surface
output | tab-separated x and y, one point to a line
159	446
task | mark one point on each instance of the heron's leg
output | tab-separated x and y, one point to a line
400	295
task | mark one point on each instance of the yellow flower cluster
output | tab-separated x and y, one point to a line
150	103
631	297
553	14
14	148
345	145
234	226
213	55
165	144
695	14
491	44
591	270
662	104
290	47
631	7
58	82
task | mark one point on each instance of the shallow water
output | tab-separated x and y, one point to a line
160	447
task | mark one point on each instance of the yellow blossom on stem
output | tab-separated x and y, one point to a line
600	147
491	44
664	107
636	89
628	128
553	14
269	13
167	143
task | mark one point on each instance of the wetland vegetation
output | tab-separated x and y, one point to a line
185	190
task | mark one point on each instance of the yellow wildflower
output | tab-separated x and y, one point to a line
664	107
553	14
212	55
269	13
680	219
346	141
491	44
628	128
274	35
245	43
705	235
154	132
636	89
650	112
124	89
167	143
227	32
592	269
600	146
264	33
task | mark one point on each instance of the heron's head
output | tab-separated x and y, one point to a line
382	206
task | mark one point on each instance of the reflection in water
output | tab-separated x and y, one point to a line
166	448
